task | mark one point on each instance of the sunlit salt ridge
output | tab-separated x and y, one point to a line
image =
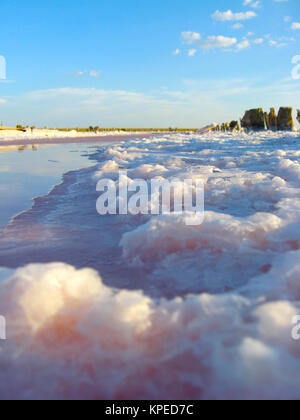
233	284
69	336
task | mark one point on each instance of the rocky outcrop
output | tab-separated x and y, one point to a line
254	119
285	119
235	126
257	119
267	120
273	119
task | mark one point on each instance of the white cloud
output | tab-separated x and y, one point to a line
190	38
252	3
217	42
177	52
295	25
193	38
243	45
94	73
256	4
2	101
192	52
91	73
280	42
229	15
259	41
237	26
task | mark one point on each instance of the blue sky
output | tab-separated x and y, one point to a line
146	63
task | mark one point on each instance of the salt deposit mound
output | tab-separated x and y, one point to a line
69	336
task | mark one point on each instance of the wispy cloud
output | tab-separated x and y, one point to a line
90	73
237	26
211	42
195	103
190	38
256	4
259	41
177	52
295	26
243	45
230	16
84	107
279	42
192	52
217	42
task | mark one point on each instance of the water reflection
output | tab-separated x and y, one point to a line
31	171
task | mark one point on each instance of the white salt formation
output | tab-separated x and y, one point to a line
52	134
232	285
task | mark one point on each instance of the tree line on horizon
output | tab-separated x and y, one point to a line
98	129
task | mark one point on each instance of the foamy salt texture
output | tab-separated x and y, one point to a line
227	334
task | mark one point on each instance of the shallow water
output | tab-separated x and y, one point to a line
31	171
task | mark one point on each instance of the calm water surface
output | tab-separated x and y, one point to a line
32	171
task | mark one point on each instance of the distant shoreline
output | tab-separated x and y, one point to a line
80	139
